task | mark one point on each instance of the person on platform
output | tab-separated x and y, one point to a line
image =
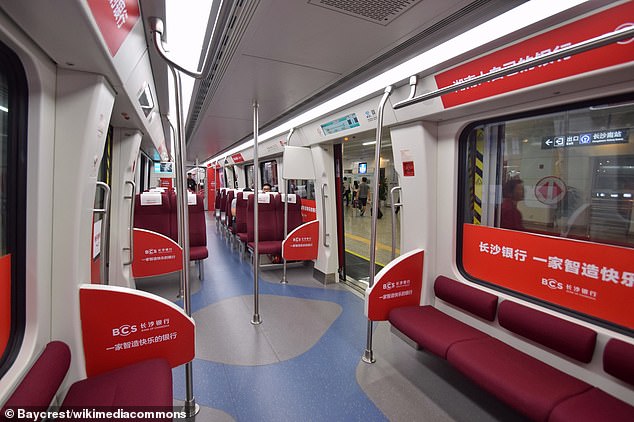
510	216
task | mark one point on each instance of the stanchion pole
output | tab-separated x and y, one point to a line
288	185
256	320
368	355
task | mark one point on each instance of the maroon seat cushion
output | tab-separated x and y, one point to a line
618	360
472	300
268	247
40	384
526	384
432	329
563	336
147	384
197	253
591	406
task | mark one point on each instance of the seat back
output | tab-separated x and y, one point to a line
152	212
41	382
294	213
228	214
267	218
197	224
241	211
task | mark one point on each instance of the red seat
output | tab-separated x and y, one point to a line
143	385
294	213
153	217
269	241
242	216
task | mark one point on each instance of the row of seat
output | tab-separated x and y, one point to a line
146	385
538	390
157	211
240	228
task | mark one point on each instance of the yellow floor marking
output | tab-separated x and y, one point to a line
367	242
365	258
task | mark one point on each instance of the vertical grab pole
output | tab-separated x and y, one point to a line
105	231
368	355
288	185
395	206
256	320
191	408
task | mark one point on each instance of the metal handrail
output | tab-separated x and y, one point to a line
395	205
368	356
131	227
583	46
324	228
256	319
105	230
288	184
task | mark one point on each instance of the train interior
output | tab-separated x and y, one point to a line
318	210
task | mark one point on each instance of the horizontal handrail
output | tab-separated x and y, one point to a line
583	46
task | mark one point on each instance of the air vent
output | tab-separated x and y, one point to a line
378	11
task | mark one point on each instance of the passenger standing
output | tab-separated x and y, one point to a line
346	191
364	190
510	215
355	194
191	183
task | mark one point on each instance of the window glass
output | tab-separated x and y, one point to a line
268	170
304	188
568	174
13	103
248	171
546	208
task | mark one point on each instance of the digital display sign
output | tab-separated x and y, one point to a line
363	168
343	123
164	167
612	136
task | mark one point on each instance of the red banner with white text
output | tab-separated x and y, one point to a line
572	33
398	284
302	244
122	326
591	278
155	254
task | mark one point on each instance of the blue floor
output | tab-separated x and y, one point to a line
319	385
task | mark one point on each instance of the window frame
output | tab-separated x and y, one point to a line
16	198
462	192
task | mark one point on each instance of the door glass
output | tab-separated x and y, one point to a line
359	172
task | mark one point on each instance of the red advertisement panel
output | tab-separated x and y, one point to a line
539	45
5	301
122	326
594	279
309	210
211	187
115	19
302	244
155	254
398	284
237	158
165	182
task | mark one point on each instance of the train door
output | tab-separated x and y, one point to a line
101	217
357	173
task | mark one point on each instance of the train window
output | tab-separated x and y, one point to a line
568	173
557	178
13	105
304	188
248	172
268	171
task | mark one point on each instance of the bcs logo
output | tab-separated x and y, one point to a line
553	284
124	330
